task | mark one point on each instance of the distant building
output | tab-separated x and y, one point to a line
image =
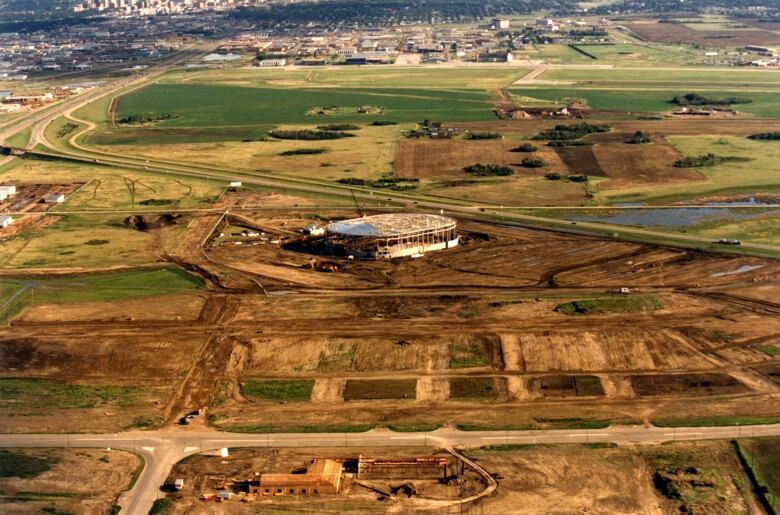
236	184
495	57
271	63
368	58
55	198
500	23
5	221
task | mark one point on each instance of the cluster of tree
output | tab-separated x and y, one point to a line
383	12
482	135
381	123
569	143
707	160
393	183
766	136
673	6
524	147
67	129
309	134
139	119
303	151
338	127
488	170
532	162
555	176
571	132
694	99
588	33
639	138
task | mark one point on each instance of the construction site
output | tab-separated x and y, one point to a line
515	327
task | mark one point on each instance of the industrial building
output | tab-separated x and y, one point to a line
391	235
322	477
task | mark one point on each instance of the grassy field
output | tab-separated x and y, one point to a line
273	390
761	173
476	77
112	188
763	456
209	105
627	304
684	77
468	355
473	388
20	139
78	242
368	155
556	53
44	393
113	286
765	104
22	465
635	55
370	389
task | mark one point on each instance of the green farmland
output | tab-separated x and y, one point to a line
691	76
199	105
764	104
112	286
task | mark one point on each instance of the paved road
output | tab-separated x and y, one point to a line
162	449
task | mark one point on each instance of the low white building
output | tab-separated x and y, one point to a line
55	198
272	63
235	184
5	221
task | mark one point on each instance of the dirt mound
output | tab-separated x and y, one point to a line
142	223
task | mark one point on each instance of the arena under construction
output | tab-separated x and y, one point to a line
392	235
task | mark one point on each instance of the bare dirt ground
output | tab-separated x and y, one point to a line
483	312
610	156
86	481
424	159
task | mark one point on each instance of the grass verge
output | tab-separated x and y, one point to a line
265	429
725	420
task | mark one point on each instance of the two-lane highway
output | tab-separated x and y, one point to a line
161	449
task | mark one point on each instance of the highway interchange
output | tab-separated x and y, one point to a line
162	448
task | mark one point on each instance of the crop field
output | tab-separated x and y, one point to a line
639	100
707	35
207	105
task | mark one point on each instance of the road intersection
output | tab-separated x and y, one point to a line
161	449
